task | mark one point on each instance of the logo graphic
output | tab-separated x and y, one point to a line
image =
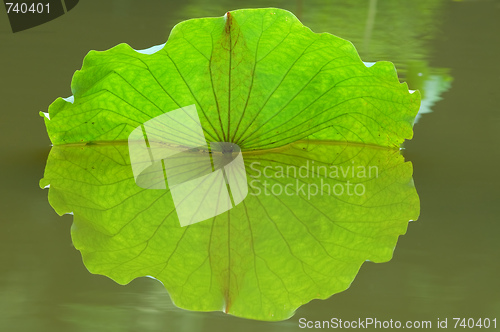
170	151
28	14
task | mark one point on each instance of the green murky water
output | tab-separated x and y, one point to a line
445	266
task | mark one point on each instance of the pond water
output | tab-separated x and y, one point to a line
445	266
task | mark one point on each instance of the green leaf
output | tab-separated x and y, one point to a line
258	78
263	258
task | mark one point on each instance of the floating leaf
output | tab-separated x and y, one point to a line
258	78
